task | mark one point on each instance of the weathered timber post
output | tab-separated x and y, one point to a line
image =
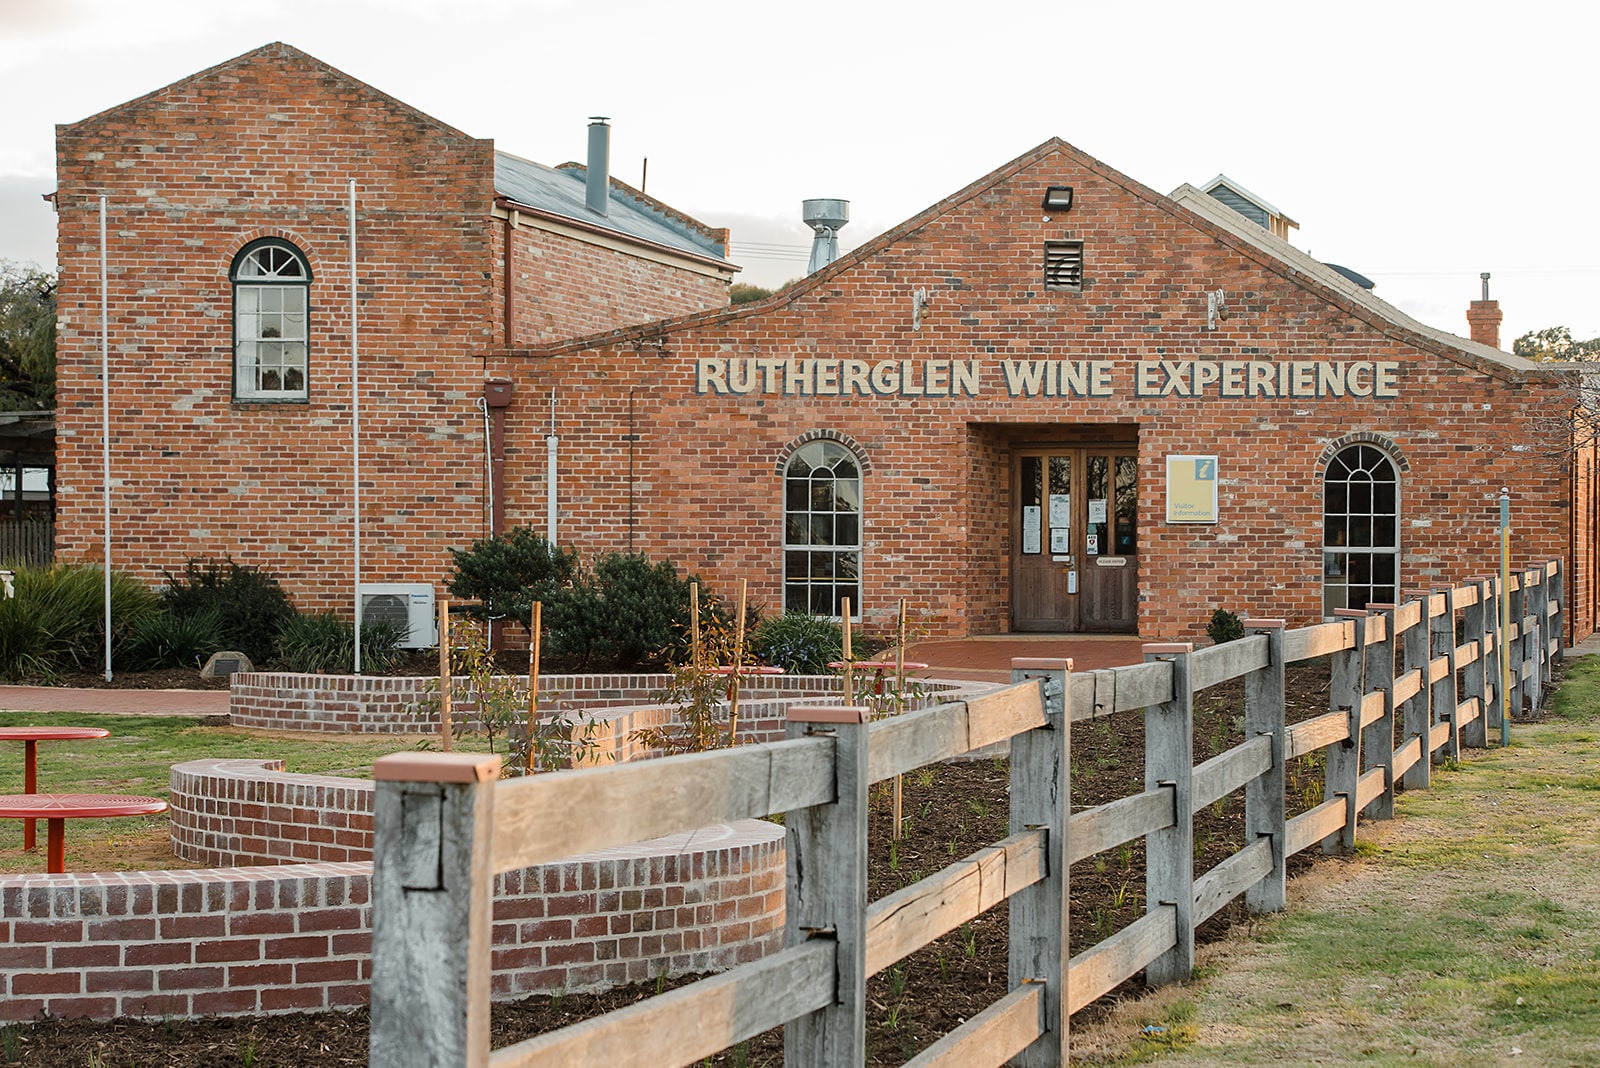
1476	676
1442	624
1169	853
1535	591
1263	795
1494	702
1378	745
827	891
1346	684
1416	713
432	899
1516	645
1558	621
1041	791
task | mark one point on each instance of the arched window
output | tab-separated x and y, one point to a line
271	290
822	530
1360	529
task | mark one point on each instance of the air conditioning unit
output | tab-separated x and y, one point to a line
407	605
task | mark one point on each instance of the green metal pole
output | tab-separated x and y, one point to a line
1505	616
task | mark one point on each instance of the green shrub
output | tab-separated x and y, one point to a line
56	621
799	643
164	640
627	610
1224	627
510	571
322	642
249	603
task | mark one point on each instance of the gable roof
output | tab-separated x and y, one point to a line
277	52
1204	204
1190	205
561	191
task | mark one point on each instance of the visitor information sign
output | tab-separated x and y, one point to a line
1191	489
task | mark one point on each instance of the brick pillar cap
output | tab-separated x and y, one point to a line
829	714
436	767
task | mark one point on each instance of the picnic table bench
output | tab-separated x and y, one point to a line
30	737
56	809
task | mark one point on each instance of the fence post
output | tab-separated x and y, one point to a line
1263	796
1445	698
1041	792
827	890
1476	675
1169	853
1416	713
1346	684
1534	601
1558	591
1378	745
1494	701
432	903
1516	647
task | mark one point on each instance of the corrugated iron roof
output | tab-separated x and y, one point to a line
561	192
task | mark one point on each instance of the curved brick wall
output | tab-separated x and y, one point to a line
227	813
298	937
387	704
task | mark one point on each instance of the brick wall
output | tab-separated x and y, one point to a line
299	937
265	146
702	487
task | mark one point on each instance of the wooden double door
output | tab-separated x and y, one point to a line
1075	539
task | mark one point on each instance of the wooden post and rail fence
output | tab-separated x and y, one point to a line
1410	685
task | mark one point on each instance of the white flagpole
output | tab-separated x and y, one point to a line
355	416
105	425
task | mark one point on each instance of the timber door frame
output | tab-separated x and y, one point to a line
1057	584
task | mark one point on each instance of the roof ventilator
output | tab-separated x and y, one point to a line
1063	265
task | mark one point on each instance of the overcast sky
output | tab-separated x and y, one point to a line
1418	143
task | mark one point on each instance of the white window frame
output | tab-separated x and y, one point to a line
822	560
271	281
1352	540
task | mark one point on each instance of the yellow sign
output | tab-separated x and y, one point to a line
1191	489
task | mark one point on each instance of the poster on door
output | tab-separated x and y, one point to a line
1031	517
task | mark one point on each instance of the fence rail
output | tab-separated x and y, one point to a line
1410	685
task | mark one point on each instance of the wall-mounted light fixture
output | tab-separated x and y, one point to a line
1058	198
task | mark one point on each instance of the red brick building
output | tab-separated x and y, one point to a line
1054	401
230	332
1059	401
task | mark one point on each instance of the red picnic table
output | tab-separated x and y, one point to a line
30	737
56	809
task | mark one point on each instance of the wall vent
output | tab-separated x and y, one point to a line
1063	265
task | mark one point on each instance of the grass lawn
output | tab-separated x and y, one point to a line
137	759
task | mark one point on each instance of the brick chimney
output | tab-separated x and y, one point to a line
1483	317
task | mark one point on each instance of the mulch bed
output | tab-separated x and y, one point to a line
952	811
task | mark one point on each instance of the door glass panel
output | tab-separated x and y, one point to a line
1127	513
1058	514
1097	485
1031	494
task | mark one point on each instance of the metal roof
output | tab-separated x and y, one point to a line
1204	204
561	192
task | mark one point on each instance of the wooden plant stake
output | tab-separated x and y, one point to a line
899	707
445	679
738	666
846	654
533	680
694	626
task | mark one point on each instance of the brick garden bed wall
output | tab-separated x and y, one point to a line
390	704
298	937
230	813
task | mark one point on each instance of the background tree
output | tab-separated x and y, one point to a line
1575	423
27	338
1555	343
